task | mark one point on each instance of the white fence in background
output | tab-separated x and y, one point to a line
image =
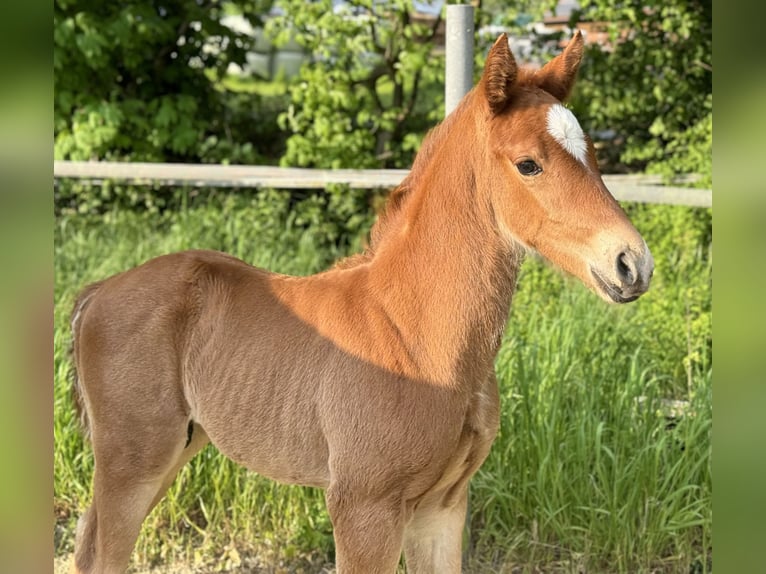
635	187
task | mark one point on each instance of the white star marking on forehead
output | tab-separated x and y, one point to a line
565	129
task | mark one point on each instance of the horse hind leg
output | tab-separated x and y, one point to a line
140	442
107	531
124	493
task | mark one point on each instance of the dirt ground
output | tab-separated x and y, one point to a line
62	564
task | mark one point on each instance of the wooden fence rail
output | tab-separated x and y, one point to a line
639	187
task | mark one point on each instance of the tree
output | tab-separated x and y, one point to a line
137	80
653	83
355	102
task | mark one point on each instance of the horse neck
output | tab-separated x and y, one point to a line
443	274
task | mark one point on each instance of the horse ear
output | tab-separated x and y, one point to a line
499	74
557	77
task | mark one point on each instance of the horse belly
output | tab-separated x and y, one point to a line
284	446
261	413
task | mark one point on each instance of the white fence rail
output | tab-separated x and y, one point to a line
639	188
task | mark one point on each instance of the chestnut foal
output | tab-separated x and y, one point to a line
373	379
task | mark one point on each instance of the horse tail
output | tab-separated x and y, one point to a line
78	397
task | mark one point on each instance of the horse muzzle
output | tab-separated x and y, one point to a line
626	277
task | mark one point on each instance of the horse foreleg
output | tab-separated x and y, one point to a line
433	538
368	532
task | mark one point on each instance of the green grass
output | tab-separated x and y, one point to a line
587	474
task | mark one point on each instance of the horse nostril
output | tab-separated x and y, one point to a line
626	268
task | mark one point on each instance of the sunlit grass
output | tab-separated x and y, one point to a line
588	473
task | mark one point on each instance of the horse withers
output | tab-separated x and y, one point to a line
375	379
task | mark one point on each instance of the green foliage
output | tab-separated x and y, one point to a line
681	242
136	80
355	102
144	80
366	97
329	221
337	217
653	83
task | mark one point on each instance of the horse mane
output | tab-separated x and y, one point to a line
389	215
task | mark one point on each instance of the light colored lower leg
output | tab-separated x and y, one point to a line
368	534
433	539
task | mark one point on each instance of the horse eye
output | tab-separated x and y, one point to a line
528	167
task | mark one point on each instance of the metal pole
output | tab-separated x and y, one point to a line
459	47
